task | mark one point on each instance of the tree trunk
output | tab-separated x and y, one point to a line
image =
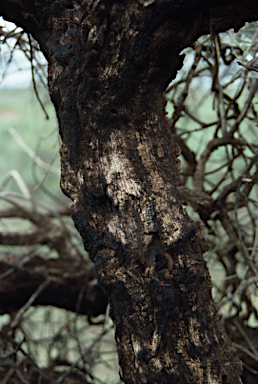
109	62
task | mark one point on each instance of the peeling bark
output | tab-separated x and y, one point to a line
109	62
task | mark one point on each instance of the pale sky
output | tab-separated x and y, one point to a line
18	72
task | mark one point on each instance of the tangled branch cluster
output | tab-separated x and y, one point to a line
39	267
213	117
16	39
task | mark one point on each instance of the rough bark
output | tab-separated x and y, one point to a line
109	62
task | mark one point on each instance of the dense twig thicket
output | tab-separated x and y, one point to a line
212	111
214	120
16	39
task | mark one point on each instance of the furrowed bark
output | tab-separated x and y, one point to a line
109	63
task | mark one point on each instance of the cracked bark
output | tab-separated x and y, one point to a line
109	62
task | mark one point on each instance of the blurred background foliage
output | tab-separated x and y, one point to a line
55	323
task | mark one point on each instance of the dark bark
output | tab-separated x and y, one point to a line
109	62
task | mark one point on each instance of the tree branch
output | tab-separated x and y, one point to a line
66	279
